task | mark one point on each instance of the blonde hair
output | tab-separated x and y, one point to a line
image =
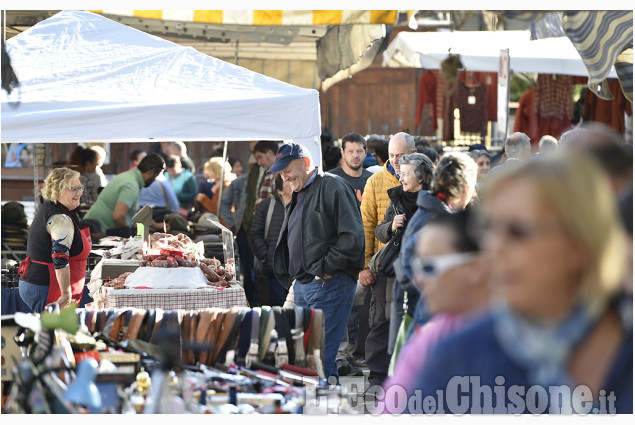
58	180
577	189
220	168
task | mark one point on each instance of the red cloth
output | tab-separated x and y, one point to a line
609	112
427	94
535	126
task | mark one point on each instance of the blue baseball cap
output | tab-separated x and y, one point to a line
287	153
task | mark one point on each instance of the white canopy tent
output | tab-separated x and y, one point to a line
480	51
86	78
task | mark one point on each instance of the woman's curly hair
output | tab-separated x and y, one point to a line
452	172
57	181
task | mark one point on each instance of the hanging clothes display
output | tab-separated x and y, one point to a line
471	100
554	96
490	80
609	112
545	109
426	112
446	95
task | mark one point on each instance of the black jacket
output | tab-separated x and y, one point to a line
383	231
332	231
265	245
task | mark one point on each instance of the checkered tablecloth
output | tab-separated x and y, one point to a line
176	299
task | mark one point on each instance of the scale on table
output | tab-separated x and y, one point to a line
228	246
143	218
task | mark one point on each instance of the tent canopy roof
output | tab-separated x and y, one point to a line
86	78
480	51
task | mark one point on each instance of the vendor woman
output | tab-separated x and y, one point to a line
57	249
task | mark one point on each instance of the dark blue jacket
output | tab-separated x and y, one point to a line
476	352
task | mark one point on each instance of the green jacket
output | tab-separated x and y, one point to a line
332	231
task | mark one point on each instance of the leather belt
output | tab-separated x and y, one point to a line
91	319
204	324
267	324
145	332
284	335
102	317
308	322
214	334
316	342
252	354
244	337
227	338
171	325
115	324
158	318
134	325
298	337
186	353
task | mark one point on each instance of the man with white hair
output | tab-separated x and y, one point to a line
547	145
517	149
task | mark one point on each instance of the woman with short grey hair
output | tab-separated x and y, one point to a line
415	175
422	167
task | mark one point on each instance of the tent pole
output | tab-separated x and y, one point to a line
222	179
222	175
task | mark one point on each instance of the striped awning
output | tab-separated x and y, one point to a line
265	17
600	37
604	39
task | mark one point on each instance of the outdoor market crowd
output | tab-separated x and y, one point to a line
514	267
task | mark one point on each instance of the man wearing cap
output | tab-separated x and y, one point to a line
320	249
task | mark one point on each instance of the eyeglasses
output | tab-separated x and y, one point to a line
76	189
435	266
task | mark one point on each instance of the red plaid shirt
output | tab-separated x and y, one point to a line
266	189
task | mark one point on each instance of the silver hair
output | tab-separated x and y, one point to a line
477	153
547	144
422	167
517	145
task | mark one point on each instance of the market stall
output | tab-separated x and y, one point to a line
461	72
238	360
85	78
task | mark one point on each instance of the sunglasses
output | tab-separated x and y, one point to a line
76	189
435	266
518	231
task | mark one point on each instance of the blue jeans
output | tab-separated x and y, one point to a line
277	292
334	297
34	296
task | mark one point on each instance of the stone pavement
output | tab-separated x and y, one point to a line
354	387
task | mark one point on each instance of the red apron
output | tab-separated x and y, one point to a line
78	265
